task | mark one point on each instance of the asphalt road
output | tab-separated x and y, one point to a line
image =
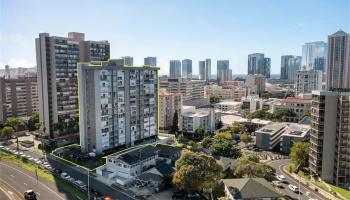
21	180
81	174
8	193
278	165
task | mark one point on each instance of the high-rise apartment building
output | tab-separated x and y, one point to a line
19	97
257	83
201	67
129	61
57	59
329	155
187	68
308	80
313	53
170	103
225	75
338	69
207	69
118	104
289	66
190	89
151	61
221	65
175	68
258	64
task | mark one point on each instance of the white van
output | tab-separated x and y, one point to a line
293	188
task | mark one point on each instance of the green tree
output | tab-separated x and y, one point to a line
199	132
196	172
7	132
250	166
33	122
299	154
175	126
181	138
14	122
214	99
223	147
206	142
236	128
245	138
224	135
194	146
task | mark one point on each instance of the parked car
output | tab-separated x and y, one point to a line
29	195
64	175
293	188
277	184
281	178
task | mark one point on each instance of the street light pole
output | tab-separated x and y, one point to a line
88	188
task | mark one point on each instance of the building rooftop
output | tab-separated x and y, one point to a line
229	103
136	155
297	100
288	129
250	188
201	112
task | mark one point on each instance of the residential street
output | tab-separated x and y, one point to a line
278	165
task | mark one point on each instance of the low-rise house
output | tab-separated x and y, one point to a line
228	105
249	189
125	167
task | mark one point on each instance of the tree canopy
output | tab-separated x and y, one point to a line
175	127
14	122
223	147
299	154
250	167
236	128
196	172
245	138
7	132
206	142
214	99
224	135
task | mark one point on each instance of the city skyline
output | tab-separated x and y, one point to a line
202	40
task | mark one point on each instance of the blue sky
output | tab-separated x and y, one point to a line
174	29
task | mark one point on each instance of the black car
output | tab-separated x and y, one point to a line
29	195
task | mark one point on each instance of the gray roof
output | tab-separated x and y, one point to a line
136	155
250	188
168	150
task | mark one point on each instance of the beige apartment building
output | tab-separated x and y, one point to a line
169	104
190	89
235	93
257	83
19	97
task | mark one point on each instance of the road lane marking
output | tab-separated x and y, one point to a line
12	176
25	184
38	193
34	180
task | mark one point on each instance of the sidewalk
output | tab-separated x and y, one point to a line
312	186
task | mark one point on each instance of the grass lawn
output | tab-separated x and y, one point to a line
343	192
43	174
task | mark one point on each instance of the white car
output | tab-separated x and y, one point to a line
1	147
38	162
281	178
64	175
293	188
20	153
